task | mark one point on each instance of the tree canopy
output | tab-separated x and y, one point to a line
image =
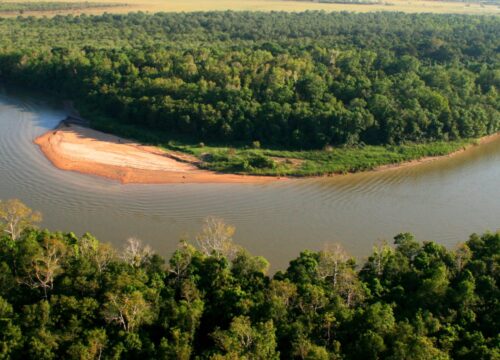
306	80
63	296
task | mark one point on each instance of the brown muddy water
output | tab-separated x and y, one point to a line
444	200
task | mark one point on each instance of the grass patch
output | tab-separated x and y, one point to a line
243	159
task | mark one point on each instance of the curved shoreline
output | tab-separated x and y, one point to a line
426	159
77	148
87	151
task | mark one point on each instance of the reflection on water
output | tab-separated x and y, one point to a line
444	200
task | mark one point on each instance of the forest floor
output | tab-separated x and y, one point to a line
84	150
80	149
151	6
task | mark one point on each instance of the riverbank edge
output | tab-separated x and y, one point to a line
472	144
50	145
131	175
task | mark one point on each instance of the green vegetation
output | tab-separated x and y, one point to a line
69	297
251	159
52	6
294	84
315	162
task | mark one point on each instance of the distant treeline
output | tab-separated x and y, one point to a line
52	6
69	297
305	80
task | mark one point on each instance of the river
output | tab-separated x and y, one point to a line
444	200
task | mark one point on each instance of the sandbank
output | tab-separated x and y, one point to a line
78	148
84	150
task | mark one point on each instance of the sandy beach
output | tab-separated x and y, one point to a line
87	151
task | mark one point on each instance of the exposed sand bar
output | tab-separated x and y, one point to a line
87	151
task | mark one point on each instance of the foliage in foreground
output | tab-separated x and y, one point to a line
63	296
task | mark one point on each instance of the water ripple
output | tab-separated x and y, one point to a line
442	200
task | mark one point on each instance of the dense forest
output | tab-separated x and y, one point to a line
296	81
69	297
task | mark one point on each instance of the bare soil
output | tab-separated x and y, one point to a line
88	151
